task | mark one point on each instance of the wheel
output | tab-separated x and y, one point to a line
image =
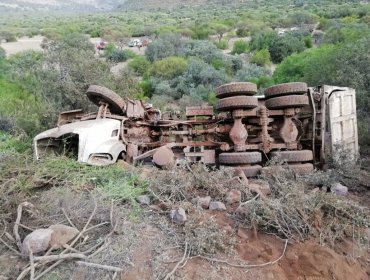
301	169
293	156
96	94
286	89
240	158
251	171
234	89
237	102
291	101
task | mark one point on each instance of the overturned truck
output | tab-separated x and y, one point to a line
303	126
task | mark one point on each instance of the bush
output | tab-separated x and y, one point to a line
139	64
242	32
169	67
223	45
240	46
251	72
261	58
283	46
117	55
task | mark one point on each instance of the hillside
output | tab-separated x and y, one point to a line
158	4
58	5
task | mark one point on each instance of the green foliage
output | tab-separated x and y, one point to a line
20	113
218	63
169	67
308	42
261	58
240	46
262	40
174	45
252	72
242	32
283	46
220	29
223	45
139	64
117	55
12	144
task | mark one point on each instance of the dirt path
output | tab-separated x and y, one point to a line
23	44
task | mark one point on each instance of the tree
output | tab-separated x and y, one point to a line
283	46
261	58
220	30
169	67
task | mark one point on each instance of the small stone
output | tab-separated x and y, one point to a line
204	201
233	196
124	164
143	199
339	189
61	235
217	205
37	241
178	216
263	187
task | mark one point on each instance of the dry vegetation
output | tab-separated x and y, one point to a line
298	209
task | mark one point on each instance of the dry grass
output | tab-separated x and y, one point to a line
296	212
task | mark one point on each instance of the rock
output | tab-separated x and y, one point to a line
233	196
203	201
217	205
37	241
339	189
124	164
263	187
178	216
61	235
143	199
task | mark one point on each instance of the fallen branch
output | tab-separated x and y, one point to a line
101	266
52	258
178	264
68	219
17	222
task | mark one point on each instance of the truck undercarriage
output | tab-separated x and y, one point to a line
298	124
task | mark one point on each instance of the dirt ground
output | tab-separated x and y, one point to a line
34	43
147	246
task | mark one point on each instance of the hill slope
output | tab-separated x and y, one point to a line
58	5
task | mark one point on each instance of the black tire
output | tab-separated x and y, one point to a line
237	102
235	89
240	158
301	169
291	101
96	94
286	89
293	156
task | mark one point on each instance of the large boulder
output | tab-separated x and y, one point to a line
37	241
61	235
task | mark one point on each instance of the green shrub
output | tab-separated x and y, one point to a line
242	32
130	54
169	67
218	63
117	56
261	58
240	46
139	64
222	45
307	41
